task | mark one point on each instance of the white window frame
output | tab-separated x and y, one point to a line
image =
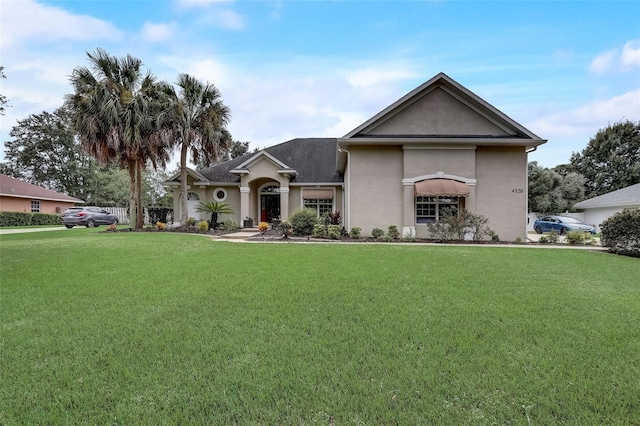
436	204
215	194
36	205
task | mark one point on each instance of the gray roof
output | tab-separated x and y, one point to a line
313	158
629	196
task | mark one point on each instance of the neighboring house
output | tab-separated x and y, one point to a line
20	196
597	209
438	147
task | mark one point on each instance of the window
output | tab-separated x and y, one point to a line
320	205
192	196
219	194
431	209
35	206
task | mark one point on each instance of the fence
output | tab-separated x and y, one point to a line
151	215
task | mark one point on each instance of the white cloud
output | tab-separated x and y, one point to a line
625	59
188	4
631	54
603	62
155	33
224	18
369	76
26	20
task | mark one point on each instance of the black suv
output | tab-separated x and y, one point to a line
87	216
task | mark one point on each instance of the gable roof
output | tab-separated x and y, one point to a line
629	196
442	110
314	160
12	187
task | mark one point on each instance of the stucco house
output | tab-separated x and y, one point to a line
440	146
19	196
597	209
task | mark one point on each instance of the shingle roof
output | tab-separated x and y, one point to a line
628	196
313	158
11	187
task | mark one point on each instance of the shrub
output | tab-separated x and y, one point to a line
579	238
334	232
320	231
544	239
263	226
203	226
393	232
439	230
190	221
28	219
494	237
621	233
356	232
553	237
160	226
377	233
303	220
334	218
230	225
286	228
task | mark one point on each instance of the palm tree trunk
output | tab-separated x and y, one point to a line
183	183
131	168
139	208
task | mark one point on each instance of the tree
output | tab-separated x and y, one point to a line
611	159
215	209
196	119
3	99
550	192
234	150
115	109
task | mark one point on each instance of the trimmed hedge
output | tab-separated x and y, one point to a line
28	219
621	233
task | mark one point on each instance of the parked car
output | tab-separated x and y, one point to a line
561	224
87	216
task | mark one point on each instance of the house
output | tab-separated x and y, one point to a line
20	196
597	209
440	146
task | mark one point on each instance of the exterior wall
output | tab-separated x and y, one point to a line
596	216
501	193
12	204
376	192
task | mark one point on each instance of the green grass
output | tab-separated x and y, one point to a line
159	328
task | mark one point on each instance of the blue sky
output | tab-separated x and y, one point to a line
563	69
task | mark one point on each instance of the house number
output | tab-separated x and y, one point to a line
517	190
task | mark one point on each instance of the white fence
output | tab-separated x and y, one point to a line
123	215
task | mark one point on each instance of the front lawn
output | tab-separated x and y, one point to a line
163	328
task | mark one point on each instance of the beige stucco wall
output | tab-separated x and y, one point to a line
501	190
375	185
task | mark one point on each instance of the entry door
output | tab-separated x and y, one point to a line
269	207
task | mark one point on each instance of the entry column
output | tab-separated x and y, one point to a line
408	210
245	204
284	202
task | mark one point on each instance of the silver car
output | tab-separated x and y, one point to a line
87	216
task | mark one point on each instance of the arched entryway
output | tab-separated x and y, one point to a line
269	202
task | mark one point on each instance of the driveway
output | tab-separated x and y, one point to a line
4	231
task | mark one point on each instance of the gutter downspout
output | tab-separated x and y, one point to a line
346	194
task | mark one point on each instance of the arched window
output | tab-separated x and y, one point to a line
270	189
192	196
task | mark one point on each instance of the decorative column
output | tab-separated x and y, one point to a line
408	210
245	204
284	202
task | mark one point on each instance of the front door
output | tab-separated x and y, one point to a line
269	207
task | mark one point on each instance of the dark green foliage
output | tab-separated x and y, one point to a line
621	233
553	191
464	225
377	233
334	218
28	219
214	208
392	232
356	232
302	221
320	231
611	160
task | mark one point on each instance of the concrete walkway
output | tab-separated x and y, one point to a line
5	231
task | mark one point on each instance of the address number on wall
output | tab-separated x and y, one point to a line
517	190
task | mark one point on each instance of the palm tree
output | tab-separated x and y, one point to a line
114	110
197	120
215	209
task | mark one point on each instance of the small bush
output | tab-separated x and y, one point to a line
494	237
356	232
334	218
286	228
544	239
160	226
392	232
303	220
377	233
320	231
230	225
439	231
553	237
203	226
579	238
621	233
263	226
334	232
190	221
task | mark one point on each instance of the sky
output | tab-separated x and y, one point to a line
287	69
